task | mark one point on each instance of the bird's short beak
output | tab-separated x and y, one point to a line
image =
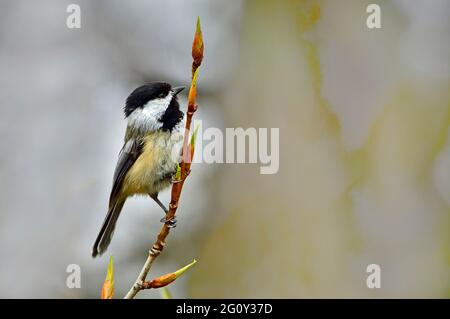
177	90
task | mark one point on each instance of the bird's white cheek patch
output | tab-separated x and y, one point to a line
147	118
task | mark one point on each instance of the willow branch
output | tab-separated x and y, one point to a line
185	167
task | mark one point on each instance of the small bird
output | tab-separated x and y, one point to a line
148	159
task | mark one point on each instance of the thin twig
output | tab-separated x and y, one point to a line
185	166
138	284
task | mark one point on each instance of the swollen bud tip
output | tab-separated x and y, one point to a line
108	285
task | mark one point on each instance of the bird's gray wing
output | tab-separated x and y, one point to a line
129	153
127	157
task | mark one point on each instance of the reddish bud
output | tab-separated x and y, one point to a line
197	46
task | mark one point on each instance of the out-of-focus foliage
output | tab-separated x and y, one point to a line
364	119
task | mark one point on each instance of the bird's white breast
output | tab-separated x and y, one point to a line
159	158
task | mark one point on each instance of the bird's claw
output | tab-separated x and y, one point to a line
171	223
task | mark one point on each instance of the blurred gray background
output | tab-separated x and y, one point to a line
364	119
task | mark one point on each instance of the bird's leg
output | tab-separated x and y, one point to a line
172	222
156	199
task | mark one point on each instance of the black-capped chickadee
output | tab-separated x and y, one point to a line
146	162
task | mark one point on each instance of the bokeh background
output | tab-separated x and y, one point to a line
364	118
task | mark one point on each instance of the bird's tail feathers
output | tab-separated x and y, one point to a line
106	232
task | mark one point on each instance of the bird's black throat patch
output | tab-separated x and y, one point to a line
172	116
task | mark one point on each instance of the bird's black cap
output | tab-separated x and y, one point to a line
140	96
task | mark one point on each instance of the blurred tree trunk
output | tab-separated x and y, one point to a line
312	229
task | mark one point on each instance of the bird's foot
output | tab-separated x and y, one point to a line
171	223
